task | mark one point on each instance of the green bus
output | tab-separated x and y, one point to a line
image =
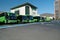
36	19
7	17
24	19
47	19
30	19
42	19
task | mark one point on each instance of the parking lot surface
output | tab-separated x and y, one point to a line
31	32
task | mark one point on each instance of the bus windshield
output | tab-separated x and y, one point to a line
30	17
2	14
36	17
24	17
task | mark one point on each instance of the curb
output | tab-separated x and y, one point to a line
9	26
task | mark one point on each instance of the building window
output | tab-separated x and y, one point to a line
17	12
34	9
27	12
56	2
34	13
56	6
57	12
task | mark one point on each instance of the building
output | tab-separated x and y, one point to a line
51	16
57	9
25	9
47	14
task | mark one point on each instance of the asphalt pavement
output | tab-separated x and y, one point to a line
40	31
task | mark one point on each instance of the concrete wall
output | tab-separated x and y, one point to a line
34	12
21	10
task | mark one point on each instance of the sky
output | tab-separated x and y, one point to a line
44	6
